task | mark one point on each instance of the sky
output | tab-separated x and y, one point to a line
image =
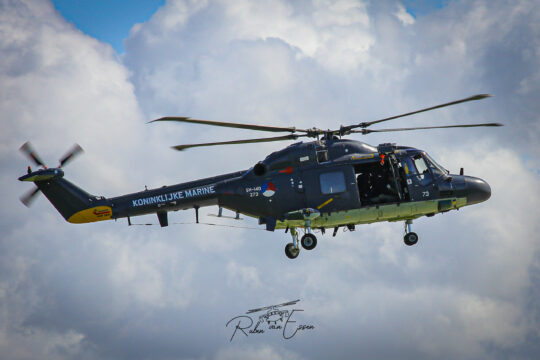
111	21
107	21
468	289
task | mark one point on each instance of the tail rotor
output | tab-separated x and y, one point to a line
70	155
43	173
28	198
28	150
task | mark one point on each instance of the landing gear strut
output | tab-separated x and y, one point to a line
410	237
308	241
292	249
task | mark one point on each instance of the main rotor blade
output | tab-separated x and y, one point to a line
369	123
368	131
231	125
29	151
233	142
71	154
29	197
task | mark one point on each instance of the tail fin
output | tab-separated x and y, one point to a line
74	204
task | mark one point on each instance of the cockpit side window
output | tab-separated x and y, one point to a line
408	166
420	164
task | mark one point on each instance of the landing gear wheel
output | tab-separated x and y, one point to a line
308	241
410	239
291	251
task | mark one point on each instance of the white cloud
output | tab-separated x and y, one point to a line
248	276
151	273
264	352
67	84
109	291
404	16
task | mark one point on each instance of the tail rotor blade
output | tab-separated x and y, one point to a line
29	197
29	151
71	154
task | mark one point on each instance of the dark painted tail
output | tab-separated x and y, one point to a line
67	198
73	203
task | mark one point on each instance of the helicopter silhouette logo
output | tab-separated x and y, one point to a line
275	318
274	314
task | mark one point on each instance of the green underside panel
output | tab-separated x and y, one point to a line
39	177
377	213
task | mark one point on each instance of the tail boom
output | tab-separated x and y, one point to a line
79	207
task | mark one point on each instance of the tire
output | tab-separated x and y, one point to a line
308	241
291	252
410	239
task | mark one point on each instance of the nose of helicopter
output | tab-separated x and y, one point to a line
477	190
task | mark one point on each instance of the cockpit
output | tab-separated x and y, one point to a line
420	163
402	175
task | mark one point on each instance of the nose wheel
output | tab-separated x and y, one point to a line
410	237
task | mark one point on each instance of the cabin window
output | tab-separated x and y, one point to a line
322	156
332	182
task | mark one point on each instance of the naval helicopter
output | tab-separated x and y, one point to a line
331	182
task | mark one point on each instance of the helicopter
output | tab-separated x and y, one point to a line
330	182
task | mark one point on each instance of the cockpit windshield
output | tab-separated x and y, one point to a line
436	169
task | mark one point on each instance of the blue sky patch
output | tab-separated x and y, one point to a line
108	21
422	7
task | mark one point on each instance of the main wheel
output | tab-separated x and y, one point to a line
410	239
291	251
308	241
